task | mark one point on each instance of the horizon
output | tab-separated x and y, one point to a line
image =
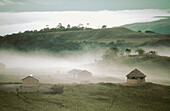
80	5
19	16
96	19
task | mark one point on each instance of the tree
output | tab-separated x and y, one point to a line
114	50
152	53
68	26
128	51
111	53
60	26
104	26
140	51
148	31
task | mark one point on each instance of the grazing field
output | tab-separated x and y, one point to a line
91	97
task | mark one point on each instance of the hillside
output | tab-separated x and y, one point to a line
157	43
160	26
91	97
70	40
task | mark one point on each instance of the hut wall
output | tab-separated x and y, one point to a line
143	81
84	75
132	81
135	81
30	82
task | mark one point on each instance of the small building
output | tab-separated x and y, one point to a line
136	77
80	74
30	81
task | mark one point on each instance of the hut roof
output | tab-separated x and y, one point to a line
135	73
76	71
31	76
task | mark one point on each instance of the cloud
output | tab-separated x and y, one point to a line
9	2
80	5
2	3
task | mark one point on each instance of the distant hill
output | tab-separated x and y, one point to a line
161	26
72	40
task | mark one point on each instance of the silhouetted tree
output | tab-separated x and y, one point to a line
151	53
68	26
128	51
114	50
60	26
140	51
104	26
111	53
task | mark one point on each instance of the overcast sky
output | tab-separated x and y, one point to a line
80	5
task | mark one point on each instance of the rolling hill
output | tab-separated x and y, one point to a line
70	40
161	26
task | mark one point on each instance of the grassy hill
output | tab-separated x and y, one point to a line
157	43
91	97
160	26
70	40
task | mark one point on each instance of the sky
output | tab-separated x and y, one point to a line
80	5
22	15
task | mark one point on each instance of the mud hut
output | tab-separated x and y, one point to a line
30	81
136	77
80	74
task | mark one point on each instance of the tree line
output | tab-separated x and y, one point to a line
113	52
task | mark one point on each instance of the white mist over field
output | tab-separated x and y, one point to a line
53	67
38	60
13	22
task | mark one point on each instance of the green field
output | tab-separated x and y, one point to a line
91	97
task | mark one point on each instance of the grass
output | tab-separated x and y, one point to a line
91	97
159	26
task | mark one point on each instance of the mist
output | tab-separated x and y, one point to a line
39	59
53	67
161	50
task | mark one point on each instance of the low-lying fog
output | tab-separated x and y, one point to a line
162	51
39	60
56	65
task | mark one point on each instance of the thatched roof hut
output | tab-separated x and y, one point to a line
80	74
136	77
135	73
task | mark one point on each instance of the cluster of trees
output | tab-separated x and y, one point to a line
59	27
122	44
147	31
113	52
142	52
